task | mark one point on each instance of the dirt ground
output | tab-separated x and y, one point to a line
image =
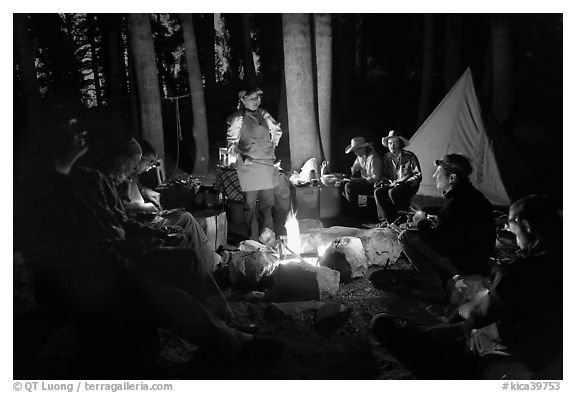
346	353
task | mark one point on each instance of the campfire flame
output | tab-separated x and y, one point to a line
293	233
322	249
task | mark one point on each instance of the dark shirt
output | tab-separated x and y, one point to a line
526	303
59	229
465	232
531	289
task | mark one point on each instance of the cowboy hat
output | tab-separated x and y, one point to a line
392	134
357	143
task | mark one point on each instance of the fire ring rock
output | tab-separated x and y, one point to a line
347	256
381	246
248	268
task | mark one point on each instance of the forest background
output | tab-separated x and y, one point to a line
174	78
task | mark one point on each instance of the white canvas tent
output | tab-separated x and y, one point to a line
457	126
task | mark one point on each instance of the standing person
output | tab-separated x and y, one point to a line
366	170
401	178
252	137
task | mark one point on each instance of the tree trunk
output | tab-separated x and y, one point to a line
283	149
323	40
344	89
25	55
427	69
250	70
304	138
146	75
94	55
233	26
135	123
209	66
454	50
200	128
502	69
114	66
359	52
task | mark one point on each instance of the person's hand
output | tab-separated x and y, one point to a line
419	216
152	196
172	236
248	160
149	207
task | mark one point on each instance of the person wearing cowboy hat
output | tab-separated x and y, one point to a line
252	137
401	178
366	170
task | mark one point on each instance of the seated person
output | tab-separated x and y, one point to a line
366	170
135	197
401	177
142	202
520	316
463	238
92	264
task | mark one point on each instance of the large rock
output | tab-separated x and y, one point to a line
313	236
381	246
347	256
249	268
293	283
296	281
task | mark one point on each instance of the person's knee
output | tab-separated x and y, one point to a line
251	197
266	200
187	219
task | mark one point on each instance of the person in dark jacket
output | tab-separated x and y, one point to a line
515	325
463	237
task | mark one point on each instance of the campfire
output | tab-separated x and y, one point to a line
311	261
290	247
